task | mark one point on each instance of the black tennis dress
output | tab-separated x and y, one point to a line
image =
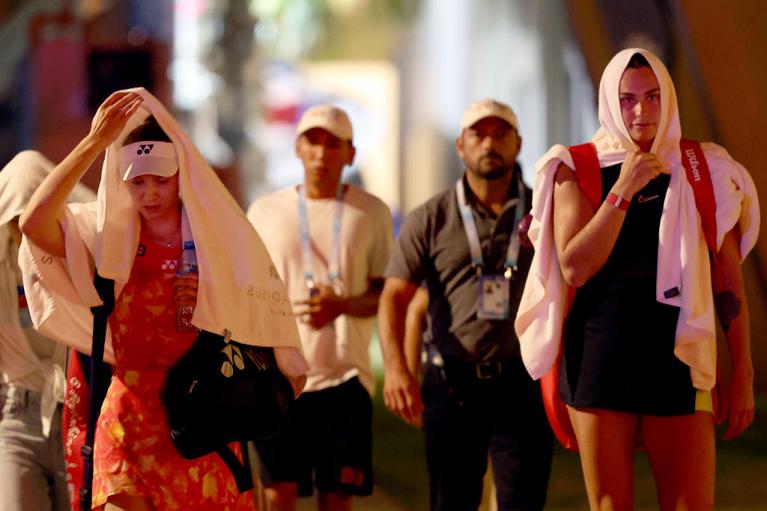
619	341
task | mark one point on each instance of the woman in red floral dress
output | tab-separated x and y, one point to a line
136	466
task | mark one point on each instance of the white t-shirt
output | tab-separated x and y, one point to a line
338	352
26	357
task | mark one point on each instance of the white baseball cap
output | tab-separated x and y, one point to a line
327	117
148	157
489	108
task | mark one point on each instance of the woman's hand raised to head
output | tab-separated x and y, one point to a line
40	220
112	115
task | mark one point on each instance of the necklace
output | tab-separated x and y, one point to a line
167	238
175	241
167	244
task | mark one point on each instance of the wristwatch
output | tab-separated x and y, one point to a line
617	201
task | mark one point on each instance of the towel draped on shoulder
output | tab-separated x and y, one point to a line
18	181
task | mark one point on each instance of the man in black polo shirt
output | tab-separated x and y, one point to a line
476	397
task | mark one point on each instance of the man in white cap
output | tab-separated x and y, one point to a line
330	243
476	397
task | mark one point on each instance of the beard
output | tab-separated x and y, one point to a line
491	167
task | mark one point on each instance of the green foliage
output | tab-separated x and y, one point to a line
331	29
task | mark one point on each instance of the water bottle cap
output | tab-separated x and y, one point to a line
188	244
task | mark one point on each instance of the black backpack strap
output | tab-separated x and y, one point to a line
240	471
98	387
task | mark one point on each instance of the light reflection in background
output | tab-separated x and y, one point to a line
406	106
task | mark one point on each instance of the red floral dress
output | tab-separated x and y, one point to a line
133	453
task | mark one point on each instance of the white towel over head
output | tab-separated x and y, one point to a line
683	261
239	288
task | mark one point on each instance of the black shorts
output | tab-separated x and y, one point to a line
328	443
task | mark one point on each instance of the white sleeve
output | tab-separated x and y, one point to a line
60	290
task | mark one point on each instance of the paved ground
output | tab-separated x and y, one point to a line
379	501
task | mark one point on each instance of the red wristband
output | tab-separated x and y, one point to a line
617	201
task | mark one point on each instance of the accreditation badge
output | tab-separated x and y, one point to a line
493	300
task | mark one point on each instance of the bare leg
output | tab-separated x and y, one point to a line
682	456
606	441
282	496
127	503
332	501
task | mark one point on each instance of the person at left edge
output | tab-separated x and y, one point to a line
32	381
330	242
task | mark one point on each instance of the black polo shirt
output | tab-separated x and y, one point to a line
432	248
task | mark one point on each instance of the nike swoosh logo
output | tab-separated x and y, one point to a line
642	198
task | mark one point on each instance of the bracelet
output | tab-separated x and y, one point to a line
617	201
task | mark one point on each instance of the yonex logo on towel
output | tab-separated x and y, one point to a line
671	293
694	164
144	149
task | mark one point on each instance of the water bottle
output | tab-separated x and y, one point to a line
184	312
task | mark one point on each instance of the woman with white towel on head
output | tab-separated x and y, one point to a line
154	186
32	380
638	361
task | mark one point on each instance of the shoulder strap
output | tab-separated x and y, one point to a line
587	172
96	393
699	177
241	471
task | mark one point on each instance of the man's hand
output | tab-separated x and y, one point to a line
402	395
320	309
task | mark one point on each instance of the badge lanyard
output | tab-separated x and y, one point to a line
306	244
512	252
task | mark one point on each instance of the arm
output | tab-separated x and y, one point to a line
326	306
585	239
401	393
736	405
40	220
415	324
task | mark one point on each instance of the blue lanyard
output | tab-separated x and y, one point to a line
470	227
334	264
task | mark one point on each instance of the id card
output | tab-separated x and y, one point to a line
493	299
